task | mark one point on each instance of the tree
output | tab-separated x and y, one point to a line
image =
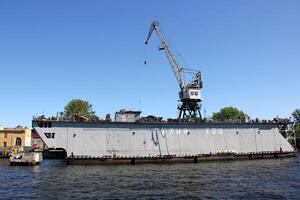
229	114
78	107
296	115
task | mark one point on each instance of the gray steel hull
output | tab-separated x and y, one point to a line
139	142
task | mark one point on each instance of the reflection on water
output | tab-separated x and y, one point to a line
255	179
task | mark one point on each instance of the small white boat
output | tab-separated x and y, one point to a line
25	157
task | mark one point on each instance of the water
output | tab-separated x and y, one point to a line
255	179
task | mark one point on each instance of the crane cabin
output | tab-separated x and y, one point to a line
190	93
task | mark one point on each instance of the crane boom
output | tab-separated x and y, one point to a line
177	69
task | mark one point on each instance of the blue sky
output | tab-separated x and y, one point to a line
53	51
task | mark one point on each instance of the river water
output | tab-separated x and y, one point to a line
253	179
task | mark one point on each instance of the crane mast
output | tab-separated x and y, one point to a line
190	93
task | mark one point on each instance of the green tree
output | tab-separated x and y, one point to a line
229	114
78	107
296	115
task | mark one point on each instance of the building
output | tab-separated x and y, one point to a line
18	136
127	116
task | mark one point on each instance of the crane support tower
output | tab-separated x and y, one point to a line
190	92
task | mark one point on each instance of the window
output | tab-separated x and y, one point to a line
192	93
40	124
5	135
49	135
196	93
18	141
46	125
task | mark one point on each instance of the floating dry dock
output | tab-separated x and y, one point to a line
162	142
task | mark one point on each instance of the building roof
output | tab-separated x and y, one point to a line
13	130
123	111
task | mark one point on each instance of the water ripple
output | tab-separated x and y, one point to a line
255	179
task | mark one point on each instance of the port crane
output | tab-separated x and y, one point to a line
190	92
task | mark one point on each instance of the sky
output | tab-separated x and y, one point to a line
53	51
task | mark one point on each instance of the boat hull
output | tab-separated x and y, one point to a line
163	142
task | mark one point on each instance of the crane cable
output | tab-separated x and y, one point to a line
145	61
